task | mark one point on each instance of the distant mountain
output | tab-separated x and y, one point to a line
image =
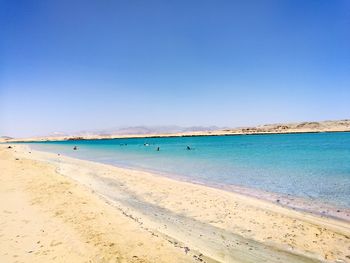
144	130
6	137
173	130
58	134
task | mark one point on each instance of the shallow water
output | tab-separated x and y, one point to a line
315	166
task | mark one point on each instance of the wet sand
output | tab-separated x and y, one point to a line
112	214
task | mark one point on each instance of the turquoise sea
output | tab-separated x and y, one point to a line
314	166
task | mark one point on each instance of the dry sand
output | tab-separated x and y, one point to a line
46	217
59	209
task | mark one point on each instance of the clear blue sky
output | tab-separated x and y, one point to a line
77	65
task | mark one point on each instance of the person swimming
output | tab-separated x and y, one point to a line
75	148
188	148
158	149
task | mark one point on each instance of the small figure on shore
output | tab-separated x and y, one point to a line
75	148
158	149
10	147
188	148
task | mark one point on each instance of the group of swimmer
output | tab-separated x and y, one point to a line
145	144
158	148
188	148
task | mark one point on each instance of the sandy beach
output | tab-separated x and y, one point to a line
59	209
175	131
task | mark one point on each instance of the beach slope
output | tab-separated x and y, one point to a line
59	208
46	217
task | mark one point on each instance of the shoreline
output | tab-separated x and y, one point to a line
222	226
297	203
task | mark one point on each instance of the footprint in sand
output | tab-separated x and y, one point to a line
55	243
